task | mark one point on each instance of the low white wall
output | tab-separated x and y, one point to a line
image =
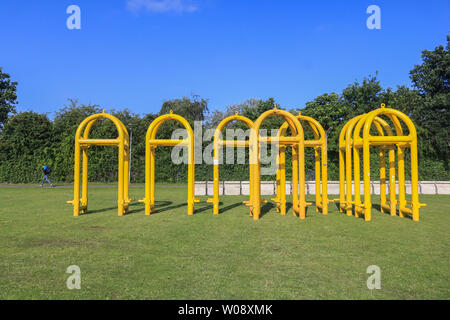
203	188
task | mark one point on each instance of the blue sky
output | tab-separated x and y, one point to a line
139	53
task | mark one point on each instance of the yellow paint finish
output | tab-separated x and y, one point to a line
297	142
218	143
320	158
387	140
82	144
150	146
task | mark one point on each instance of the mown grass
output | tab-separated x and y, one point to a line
171	255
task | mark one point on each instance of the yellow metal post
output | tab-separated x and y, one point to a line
342	168
281	180
84	193
348	164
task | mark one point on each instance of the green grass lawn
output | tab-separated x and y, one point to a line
171	255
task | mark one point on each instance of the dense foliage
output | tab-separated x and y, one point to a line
29	139
8	96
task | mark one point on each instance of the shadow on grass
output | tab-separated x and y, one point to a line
133	204
266	208
163	206
270	205
377	207
338	205
306	211
203	208
169	208
100	210
288	206
231	206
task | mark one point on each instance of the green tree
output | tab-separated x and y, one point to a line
431	78
65	125
193	109
253	111
26	143
8	96
217	116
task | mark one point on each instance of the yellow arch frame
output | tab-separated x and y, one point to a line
218	143
298	161
346	147
151	144
84	143
350	140
320	158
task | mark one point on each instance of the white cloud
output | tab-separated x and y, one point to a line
161	5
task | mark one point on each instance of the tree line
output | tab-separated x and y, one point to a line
30	139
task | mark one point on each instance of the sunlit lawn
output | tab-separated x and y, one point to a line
171	255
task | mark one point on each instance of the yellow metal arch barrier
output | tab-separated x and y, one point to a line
380	124
84	143
151	144
320	157
298	161
346	147
218	143
399	140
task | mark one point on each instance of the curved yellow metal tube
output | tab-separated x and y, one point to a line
150	145
402	142
83	142
380	124
347	144
218	143
298	159
350	140
320	155
345	161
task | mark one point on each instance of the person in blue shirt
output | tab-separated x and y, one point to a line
46	170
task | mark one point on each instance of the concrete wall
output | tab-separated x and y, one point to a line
203	188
